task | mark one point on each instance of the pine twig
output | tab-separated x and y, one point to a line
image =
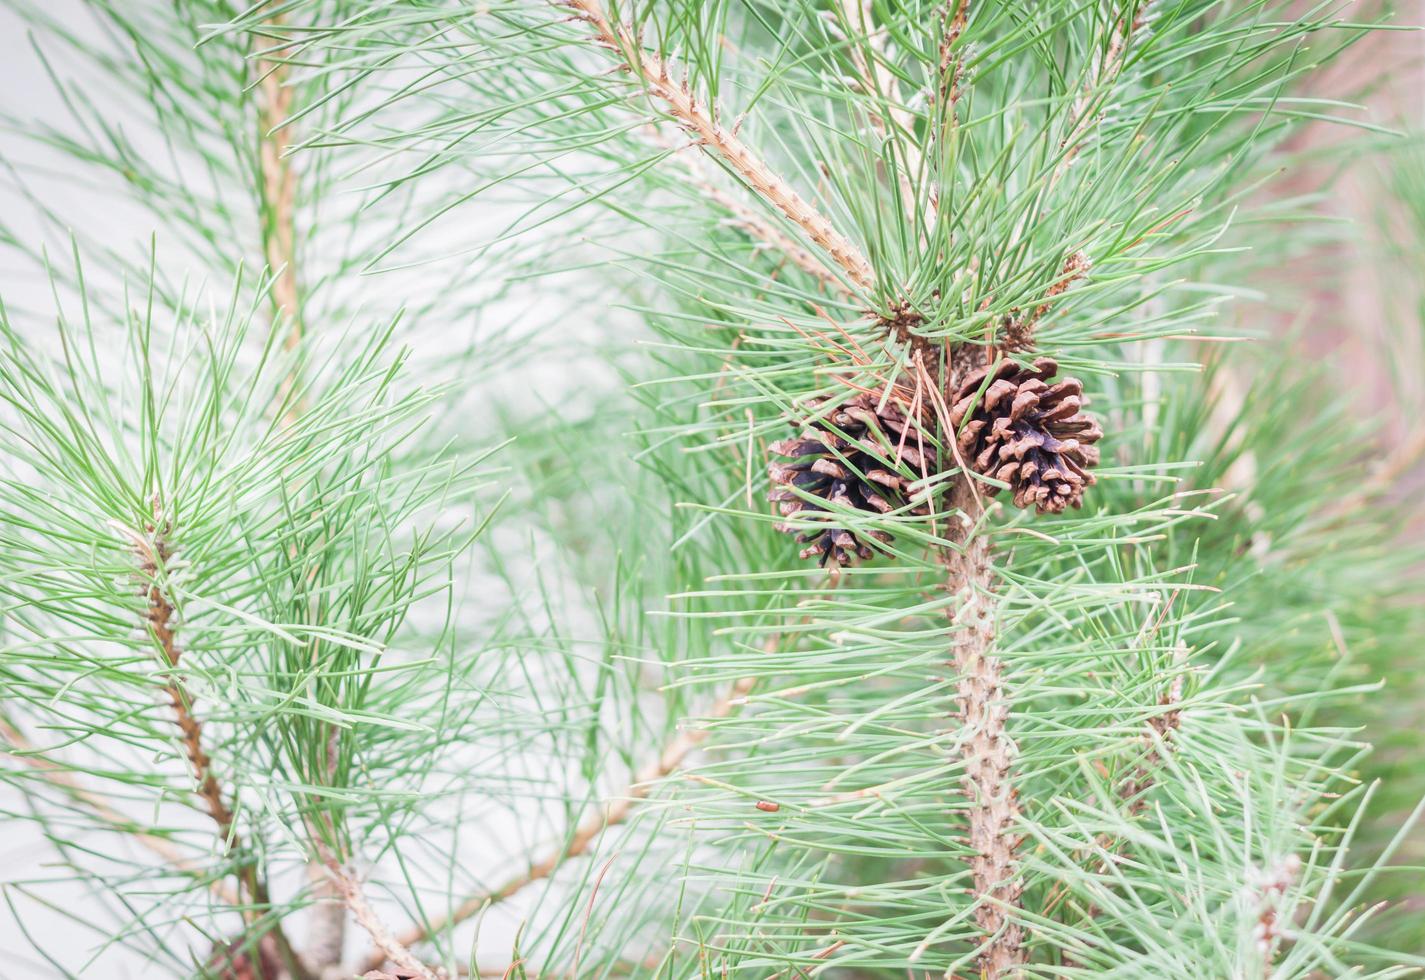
60	776
1263	894
989	750
758	228
152	554
1106	69
951	69
701	123
1163	724
391	949
278	189
674	754
327	931
1133	790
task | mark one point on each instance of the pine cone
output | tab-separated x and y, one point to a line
1028	433
852	467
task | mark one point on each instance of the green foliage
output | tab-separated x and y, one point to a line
1182	662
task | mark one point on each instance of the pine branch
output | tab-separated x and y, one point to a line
152	553
152	559
758	228
994	809
1107	66
702	123
1133	791
53	772
391	949
588	830
950	69
1263	894
327	929
989	752
1164	724
278	188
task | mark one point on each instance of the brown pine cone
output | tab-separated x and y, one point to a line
1028	433
853	467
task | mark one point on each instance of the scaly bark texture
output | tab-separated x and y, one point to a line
390	948
152	558
980	696
752	222
989	750
153	553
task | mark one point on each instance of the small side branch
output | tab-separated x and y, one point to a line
65	780
1263	896
1133	791
701	123
758	228
1163	724
274	98
674	754
278	189
391	949
1106	67
1019	328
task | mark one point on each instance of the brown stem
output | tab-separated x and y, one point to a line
701	122
951	68
327	931
674	754
153	555
989	750
278	187
389	947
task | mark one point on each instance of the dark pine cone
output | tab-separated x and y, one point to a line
1028	433
852	469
